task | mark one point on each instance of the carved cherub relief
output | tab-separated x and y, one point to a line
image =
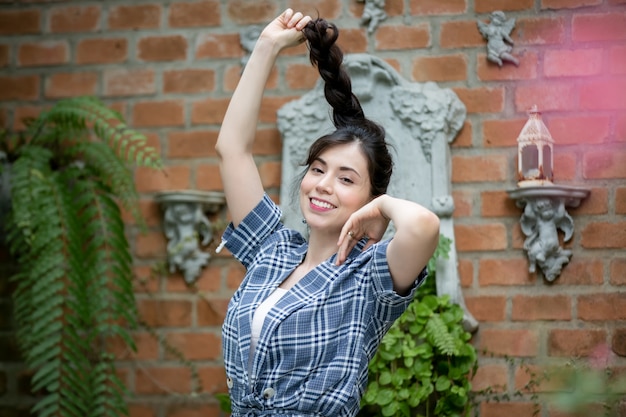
541	221
498	35
183	223
373	14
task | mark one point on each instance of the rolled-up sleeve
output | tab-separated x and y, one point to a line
389	304
244	240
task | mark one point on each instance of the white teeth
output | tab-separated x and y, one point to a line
322	204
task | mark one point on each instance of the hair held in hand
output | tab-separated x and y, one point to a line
328	58
348	116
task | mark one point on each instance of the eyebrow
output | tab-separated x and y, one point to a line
341	168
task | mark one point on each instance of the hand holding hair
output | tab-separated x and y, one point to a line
286	30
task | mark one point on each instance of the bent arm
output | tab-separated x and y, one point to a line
240	176
414	242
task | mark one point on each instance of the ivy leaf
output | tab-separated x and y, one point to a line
385	378
385	396
442	384
390	410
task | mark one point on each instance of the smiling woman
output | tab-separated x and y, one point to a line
309	315
335	185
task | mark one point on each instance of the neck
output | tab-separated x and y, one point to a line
321	247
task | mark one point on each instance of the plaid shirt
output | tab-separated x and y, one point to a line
316	343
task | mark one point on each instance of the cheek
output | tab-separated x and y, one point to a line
356	198
305	184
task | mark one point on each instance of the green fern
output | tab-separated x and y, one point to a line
440	337
65	231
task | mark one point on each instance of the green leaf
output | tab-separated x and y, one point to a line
385	396
390	410
442	384
385	378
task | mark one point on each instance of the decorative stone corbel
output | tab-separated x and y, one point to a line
544	215
543	202
187	228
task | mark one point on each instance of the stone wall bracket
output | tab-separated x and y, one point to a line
187	228
543	217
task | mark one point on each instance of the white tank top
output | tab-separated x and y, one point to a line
259	318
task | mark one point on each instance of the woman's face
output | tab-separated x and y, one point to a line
335	185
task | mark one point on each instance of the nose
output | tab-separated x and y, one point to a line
324	185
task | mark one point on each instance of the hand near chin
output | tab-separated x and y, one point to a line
367	222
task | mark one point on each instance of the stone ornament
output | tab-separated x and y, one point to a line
373	14
499	42
543	202
543	217
420	119
187	228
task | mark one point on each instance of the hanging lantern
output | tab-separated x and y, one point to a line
534	152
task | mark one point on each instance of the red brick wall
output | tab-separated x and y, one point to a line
170	67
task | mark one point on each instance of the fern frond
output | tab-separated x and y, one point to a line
130	145
441	338
99	302
40	294
26	187
102	163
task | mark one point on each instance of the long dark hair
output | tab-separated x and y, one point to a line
348	117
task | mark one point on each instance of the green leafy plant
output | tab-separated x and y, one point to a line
424	363
70	171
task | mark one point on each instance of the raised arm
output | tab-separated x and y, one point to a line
240	176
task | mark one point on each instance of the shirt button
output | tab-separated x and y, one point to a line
229	382
268	393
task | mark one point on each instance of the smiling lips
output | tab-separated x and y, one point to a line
321	205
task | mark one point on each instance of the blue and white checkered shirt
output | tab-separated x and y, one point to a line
317	341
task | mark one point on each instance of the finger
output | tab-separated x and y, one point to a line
294	19
369	243
348	242
344	250
303	22
344	234
287	14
